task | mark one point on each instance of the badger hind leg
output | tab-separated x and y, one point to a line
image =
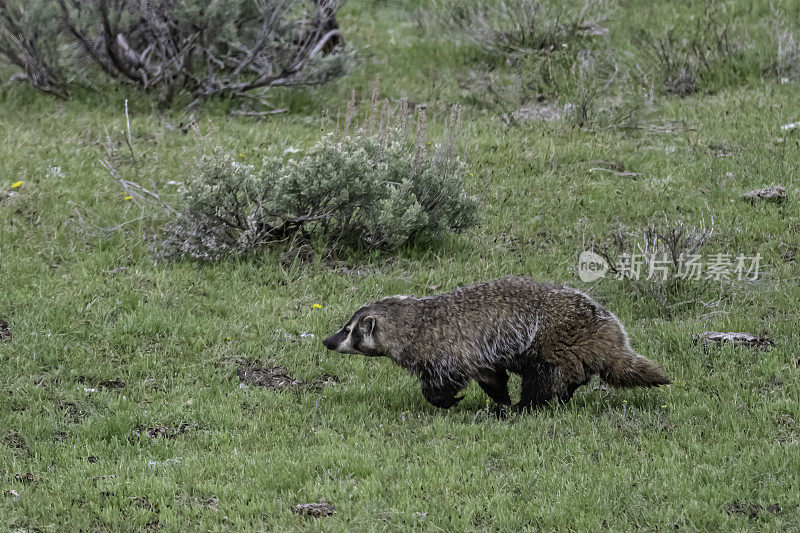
543	381
573	386
495	385
539	385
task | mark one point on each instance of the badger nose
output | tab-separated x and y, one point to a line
328	343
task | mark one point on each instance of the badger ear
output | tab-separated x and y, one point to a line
368	324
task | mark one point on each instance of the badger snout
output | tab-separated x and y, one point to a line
329	342
341	342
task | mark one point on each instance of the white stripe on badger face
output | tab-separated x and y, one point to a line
347	344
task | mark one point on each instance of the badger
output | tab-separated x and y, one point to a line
555	337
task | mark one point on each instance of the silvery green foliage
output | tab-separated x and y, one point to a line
358	191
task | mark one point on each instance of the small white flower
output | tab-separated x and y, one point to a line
789	127
55	172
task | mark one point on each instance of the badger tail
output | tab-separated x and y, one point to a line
629	369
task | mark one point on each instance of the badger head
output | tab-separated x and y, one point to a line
357	336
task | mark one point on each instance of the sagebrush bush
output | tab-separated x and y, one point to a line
225	47
359	190
514	28
699	55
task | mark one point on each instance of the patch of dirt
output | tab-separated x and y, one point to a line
72	411
111	384
324	380
717	338
720	150
209	501
751	510
315	509
143	502
5	331
27	477
108	384
159	431
13	439
278	378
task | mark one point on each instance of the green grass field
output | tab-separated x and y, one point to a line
121	402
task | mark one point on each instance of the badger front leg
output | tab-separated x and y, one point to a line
441	394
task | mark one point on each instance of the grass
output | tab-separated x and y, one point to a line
107	344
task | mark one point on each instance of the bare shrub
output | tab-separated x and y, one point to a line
683	58
668	252
25	41
522	27
560	63
604	94
787	48
225	48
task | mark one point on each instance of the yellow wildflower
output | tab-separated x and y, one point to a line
316	306
16	185
129	197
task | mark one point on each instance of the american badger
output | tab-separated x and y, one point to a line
555	337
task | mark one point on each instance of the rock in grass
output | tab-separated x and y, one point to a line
717	338
5	331
776	193
315	509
